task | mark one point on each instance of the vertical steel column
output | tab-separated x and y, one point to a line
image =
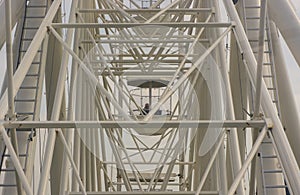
92	147
76	147
233	140
83	134
261	45
70	32
9	58
88	153
32	146
259	80
54	116
223	63
10	82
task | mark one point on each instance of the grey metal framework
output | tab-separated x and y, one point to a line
71	112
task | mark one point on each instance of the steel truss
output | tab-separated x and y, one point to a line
100	146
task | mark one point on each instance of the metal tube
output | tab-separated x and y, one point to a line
235	154
134	124
191	49
9	59
65	163
88	72
289	114
82	159
178	40
150	163
222	152
186	75
120	166
69	154
259	79
54	116
88	140
211	161
10	83
29	56
178	148
47	162
131	25
124	13
247	162
162	11
288	159
83	135
103	152
16	161
109	71
261	44
175	10
288	22
93	149
32	146
162	160
76	147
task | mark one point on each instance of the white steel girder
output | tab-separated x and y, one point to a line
101	122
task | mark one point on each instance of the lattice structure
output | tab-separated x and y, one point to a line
147	97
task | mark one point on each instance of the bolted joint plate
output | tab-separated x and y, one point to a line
269	123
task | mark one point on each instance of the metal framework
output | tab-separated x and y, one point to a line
71	110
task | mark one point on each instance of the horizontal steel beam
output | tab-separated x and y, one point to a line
136	11
135	124
146	193
138	74
145	41
130	25
130	56
149	163
135	68
135	61
138	37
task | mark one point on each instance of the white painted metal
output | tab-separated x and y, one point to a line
289	161
251	155
16	162
26	101
127	124
289	113
208	168
123	25
291	29
107	155
9	56
28	57
261	46
65	163
69	154
16	12
10	83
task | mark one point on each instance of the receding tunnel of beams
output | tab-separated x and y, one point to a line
134	67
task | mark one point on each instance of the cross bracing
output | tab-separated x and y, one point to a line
147	97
